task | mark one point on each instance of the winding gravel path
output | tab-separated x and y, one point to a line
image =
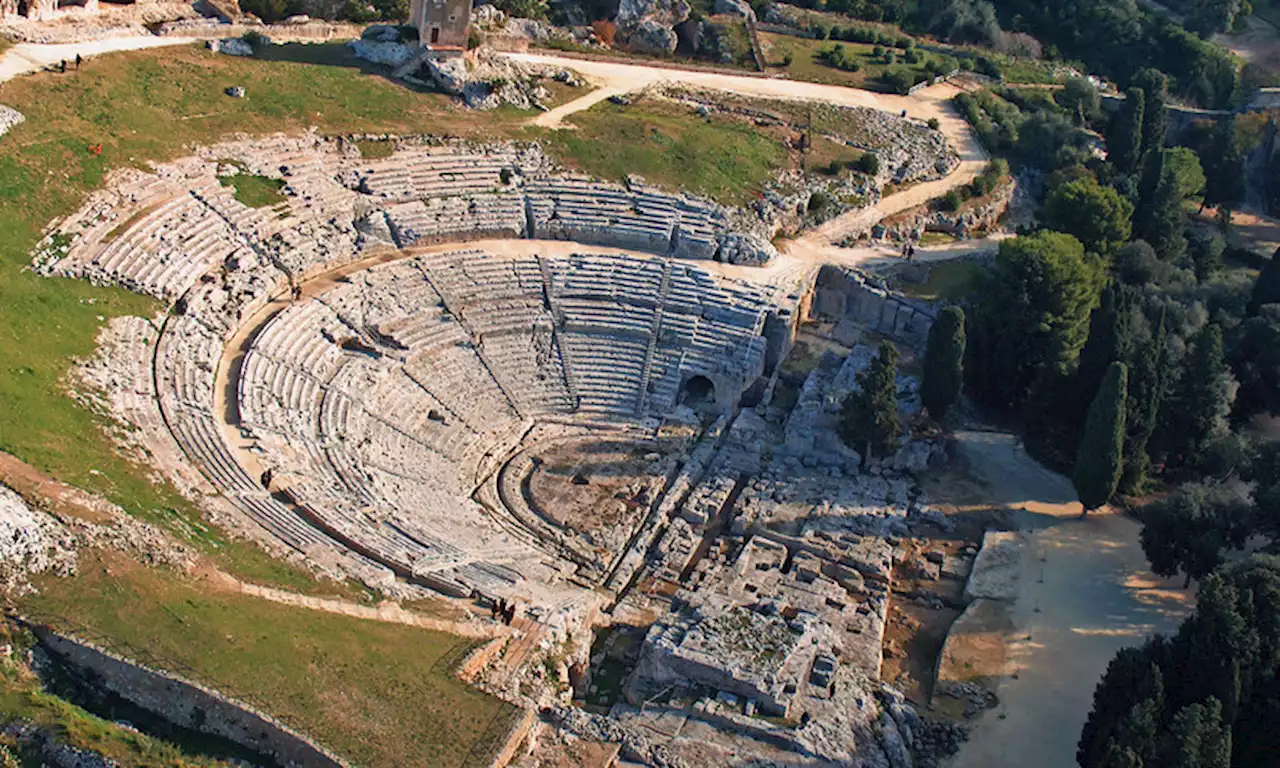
25	58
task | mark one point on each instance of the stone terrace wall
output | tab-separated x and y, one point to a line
843	294
188	704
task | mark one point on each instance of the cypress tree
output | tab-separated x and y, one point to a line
1155	89
1110	339
1124	145
1224	169
1198	738
1160	219
1126	709
943	363
869	414
1203	399
1097	471
1147	388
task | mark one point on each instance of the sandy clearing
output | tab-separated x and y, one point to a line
1085	592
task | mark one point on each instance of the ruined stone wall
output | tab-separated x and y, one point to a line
188	704
842	295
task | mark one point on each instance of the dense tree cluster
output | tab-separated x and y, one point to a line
1208	697
1116	38
1118	273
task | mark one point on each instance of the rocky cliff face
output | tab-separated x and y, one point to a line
648	26
977	216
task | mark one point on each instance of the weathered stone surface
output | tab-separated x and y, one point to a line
997	567
448	73
233	46
736	7
392	54
9	119
667	13
653	37
30	542
745	248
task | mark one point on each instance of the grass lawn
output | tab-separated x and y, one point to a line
668	145
255	191
948	280
806	65
936	238
378	694
21	695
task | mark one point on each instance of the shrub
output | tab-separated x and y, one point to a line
787	60
878	51
528	9
951	201
868	163
836	56
988	67
254	38
933	123
267	10
605	31
818	201
900	80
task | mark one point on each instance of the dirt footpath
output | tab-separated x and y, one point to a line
1085	592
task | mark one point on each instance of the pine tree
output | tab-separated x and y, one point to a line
943	363
1098	461
1266	289
869	414
1191	529
1124	144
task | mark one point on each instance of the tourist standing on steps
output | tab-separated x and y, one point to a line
78	61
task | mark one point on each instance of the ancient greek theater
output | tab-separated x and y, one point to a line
704	385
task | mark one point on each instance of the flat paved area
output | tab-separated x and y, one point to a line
1085	592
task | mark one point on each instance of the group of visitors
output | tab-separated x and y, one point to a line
62	65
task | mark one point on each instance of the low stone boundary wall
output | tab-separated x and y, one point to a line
185	703
313	31
520	727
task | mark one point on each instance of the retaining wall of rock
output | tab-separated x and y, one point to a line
188	704
843	294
